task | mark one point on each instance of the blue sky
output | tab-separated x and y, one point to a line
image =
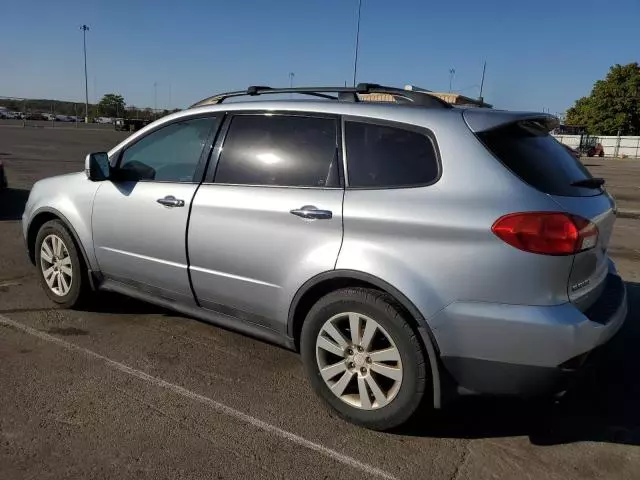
542	54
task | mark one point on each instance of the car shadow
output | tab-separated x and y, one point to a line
12	202
603	407
111	302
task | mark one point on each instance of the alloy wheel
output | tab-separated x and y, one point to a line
359	361
55	263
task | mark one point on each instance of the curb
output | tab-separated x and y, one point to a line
632	214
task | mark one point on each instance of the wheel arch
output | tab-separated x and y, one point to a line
44	215
326	282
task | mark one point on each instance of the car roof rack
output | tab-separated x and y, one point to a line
343	94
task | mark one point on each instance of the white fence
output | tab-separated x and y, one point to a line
614	146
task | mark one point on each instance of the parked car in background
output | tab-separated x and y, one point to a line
104	120
359	234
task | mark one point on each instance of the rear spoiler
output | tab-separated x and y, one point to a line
481	120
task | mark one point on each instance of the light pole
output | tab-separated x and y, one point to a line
155	98
84	29
355	60
452	72
291	75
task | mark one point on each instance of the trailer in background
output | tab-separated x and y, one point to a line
130	124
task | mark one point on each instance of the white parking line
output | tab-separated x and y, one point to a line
220	407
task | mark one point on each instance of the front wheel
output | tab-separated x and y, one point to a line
60	267
363	358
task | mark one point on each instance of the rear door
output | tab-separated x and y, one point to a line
270	219
526	148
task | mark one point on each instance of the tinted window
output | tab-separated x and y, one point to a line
537	158
280	150
170	154
379	156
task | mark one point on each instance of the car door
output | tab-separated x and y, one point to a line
271	218
140	214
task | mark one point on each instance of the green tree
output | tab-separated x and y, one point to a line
112	105
613	105
13	106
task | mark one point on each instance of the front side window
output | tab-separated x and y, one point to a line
280	150
382	156
170	154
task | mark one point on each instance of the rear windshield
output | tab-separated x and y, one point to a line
538	159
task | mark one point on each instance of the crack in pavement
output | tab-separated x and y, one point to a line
462	463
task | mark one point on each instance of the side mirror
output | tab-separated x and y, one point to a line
96	166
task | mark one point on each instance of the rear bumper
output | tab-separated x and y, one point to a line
525	350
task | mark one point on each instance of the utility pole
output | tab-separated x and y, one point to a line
291	75
452	72
84	29
484	69
155	98
355	60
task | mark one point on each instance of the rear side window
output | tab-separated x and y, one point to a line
281	150
538	159
381	156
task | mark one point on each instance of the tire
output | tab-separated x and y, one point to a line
77	282
393	330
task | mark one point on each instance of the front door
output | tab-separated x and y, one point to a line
272	217
140	215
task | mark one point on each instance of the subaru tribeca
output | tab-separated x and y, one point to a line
401	248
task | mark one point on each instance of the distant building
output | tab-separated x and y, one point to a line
452	98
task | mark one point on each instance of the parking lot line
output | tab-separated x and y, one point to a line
220	407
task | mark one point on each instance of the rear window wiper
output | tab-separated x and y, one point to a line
589	182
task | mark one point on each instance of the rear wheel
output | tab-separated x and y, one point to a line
61	269
363	358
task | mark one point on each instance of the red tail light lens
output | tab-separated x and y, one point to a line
546	233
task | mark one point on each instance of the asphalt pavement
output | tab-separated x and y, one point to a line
124	389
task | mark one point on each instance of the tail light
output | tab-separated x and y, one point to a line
547	233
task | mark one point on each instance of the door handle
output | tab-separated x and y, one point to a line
170	201
312	213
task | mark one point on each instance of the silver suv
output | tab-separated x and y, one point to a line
403	248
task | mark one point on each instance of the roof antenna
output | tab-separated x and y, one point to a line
484	69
